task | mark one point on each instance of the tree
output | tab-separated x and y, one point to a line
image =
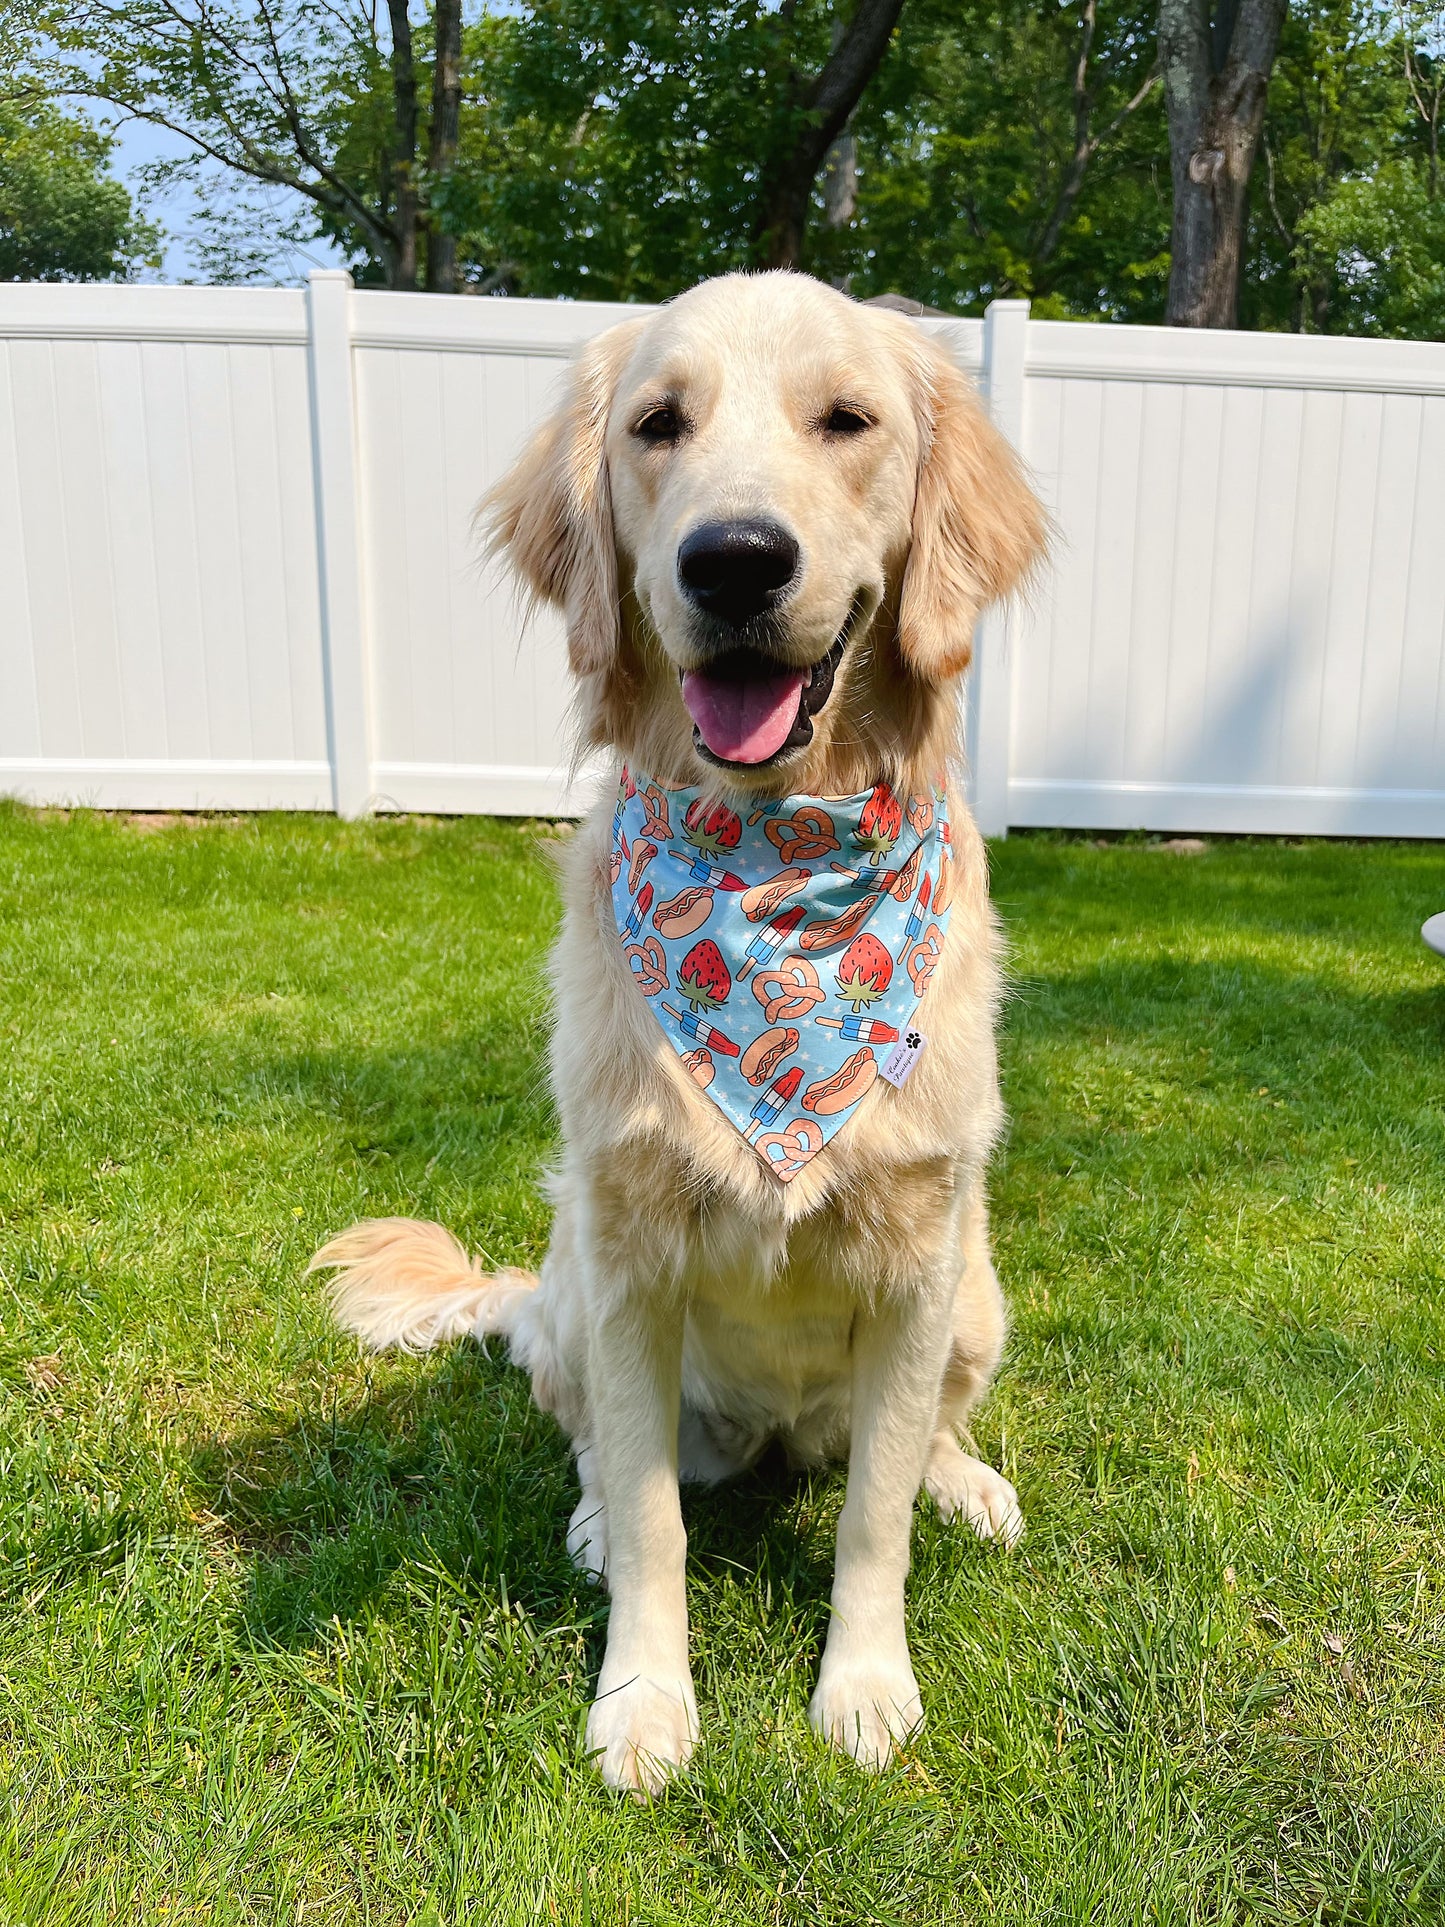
314	96
816	112
1420	32
1346	232
1216	57
1009	149
435	152
61	217
636	146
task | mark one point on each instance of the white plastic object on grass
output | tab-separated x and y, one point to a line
1433	931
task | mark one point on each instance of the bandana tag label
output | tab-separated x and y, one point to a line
897	1066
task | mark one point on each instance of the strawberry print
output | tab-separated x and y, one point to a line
865	971
880	824
712	828
703	978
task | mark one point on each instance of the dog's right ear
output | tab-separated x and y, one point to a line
551	513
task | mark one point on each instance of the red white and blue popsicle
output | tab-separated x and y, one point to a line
770	1105
917	916
866	879
701	871
632	923
698	1027
771	938
860	1030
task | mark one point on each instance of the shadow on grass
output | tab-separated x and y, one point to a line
456	1472
449	1466
451	1098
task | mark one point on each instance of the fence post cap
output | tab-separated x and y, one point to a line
330	274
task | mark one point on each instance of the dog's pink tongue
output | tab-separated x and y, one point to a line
743	722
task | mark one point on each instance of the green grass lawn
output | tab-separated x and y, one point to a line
291	1636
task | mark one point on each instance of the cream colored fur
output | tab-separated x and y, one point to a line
690	1308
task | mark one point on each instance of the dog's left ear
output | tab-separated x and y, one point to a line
551	513
978	528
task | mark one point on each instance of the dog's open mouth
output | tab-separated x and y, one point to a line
747	711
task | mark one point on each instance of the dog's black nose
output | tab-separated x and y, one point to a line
736	570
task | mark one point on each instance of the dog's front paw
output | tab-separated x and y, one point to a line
642	1732
963	1487
866	1708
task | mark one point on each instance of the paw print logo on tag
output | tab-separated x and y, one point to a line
897	1066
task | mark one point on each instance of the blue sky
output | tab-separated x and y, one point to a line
136	143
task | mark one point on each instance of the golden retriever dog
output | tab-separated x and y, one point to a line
762	501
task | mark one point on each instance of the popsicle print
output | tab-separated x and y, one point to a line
917	917
632	923
702	1032
861	1030
770	940
699	870
774	1101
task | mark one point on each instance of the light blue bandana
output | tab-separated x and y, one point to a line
785	950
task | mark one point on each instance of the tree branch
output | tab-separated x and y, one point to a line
826	103
1086	145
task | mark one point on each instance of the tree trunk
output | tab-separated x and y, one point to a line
446	114
403	166
786	188
1216	73
840	189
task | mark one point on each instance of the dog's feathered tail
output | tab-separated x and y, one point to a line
402	1282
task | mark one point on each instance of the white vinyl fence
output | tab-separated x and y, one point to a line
237	570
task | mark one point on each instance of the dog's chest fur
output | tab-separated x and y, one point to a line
773	1277
765	1365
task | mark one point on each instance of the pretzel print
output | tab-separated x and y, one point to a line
920	813
699	1066
788	1151
923	958
804	836
656	822
789	989
648	966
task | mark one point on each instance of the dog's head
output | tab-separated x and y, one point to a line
771	516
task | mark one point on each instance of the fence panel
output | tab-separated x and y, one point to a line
1244	624
468	701
160	631
237	567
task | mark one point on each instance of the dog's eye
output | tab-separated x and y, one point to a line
844	419
660	424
